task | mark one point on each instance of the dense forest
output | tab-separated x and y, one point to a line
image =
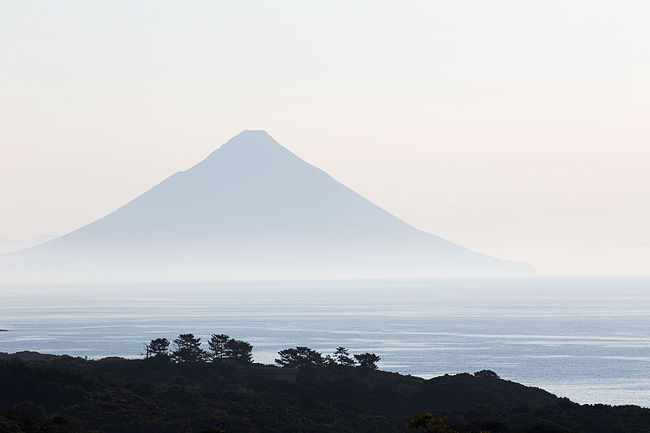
189	389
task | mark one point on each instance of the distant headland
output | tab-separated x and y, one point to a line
221	390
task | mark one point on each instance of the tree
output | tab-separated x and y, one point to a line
299	357
217	345
158	348
431	423
239	351
367	361
486	373
342	357
188	349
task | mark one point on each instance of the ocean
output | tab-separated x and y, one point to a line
587	339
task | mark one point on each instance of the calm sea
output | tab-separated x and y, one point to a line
586	339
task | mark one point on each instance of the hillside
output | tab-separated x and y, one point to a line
117	395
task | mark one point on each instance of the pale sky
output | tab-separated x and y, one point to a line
517	128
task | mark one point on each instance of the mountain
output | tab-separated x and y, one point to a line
7	245
251	209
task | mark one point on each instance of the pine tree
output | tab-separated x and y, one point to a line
158	348
217	345
188	349
299	357
342	357
239	351
367	361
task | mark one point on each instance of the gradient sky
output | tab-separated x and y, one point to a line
517	128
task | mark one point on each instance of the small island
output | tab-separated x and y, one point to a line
221	390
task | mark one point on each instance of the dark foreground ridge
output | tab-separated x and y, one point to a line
47	393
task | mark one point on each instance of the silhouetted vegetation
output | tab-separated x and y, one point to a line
342	357
188	349
429	422
299	357
158	348
226	350
239	351
367	361
221	390
486	373
217	344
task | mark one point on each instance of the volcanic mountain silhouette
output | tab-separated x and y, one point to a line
251	209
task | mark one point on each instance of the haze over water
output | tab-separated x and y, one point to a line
586	339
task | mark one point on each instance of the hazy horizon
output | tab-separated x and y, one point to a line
513	128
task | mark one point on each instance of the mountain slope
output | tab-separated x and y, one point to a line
252	209
8	245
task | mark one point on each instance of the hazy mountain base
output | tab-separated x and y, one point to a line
374	260
50	393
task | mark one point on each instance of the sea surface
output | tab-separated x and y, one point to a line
583	338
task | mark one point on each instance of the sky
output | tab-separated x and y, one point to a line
517	128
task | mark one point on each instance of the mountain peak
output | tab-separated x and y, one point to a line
258	134
250	145
250	138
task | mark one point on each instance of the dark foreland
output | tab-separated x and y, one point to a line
46	393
